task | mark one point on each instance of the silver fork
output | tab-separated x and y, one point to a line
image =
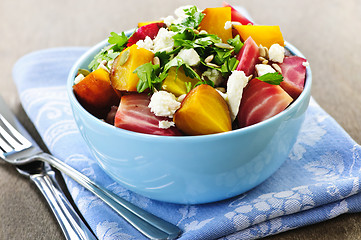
70	222
16	149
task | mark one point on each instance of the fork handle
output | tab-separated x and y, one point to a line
72	225
148	224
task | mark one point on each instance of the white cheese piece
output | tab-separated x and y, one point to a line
163	104
168	20
163	41
166	124
262	69
181	98
227	25
147	43
306	64
235	84
223	95
189	56
214	75
78	78
276	53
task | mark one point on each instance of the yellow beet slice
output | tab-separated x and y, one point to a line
203	111
215	20
141	24
121	75
265	35
175	81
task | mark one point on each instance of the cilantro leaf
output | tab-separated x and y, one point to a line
109	53
163	57
179	62
106	54
222	55
204	81
229	65
193	19
147	74
119	41
272	78
236	43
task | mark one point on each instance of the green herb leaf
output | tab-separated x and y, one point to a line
236	43
188	86
221	55
147	74
229	65
272	78
119	41
192	20
107	54
204	81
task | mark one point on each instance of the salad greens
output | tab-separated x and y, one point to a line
187	37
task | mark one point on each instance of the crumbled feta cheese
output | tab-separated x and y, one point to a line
189	56
306	64
227	25
103	65
166	124
236	23
214	75
235	84
168	20
262	69
163	41
147	43
163	104
276	53
110	64
78	78
181	97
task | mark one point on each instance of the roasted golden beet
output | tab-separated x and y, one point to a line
215	20
265	35
121	75
203	111
175	81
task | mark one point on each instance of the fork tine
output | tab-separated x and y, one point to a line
4	146
11	141
24	143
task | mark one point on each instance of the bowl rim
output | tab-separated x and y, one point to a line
245	130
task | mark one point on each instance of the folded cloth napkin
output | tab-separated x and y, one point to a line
320	179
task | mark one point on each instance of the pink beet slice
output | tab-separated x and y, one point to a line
294	74
237	16
261	101
151	30
248	57
134	114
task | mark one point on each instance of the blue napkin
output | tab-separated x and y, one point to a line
320	179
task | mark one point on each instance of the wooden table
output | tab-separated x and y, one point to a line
327	32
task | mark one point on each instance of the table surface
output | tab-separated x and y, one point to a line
327	32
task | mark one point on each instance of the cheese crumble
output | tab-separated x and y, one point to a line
163	104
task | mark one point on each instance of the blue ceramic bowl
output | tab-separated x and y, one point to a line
191	169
